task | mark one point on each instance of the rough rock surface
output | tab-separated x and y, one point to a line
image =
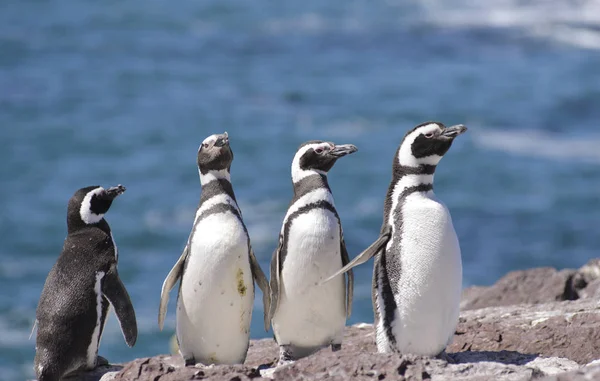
568	329
540	285
538	324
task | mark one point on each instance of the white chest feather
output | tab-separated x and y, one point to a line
310	314
429	285
214	308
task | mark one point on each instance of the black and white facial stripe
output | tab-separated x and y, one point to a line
427	143
88	205
317	157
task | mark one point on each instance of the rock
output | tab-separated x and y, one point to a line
533	286
568	329
470	366
586	373
507	343
540	285
533	324
171	368
101	373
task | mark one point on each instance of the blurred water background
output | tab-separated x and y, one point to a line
123	92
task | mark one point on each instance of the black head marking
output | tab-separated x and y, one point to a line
312	159
88	205
215	154
322	155
427	143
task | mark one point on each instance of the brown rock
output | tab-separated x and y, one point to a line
171	368
584	374
568	329
533	286
529	334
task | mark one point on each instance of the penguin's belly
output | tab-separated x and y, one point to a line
214	307
311	315
430	281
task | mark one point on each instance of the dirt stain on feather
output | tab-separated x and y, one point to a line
241	287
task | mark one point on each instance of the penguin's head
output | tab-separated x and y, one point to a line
88	205
427	143
215	154
317	156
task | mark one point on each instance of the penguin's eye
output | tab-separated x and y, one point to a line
319	150
429	135
205	145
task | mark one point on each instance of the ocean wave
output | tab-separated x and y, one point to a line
539	144
571	22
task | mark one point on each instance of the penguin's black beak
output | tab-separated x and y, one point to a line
342	150
222	140
454	131
113	192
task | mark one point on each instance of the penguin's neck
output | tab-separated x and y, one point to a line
216	183
418	178
75	223
310	183
212	175
407	180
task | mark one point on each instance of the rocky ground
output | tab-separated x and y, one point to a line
538	324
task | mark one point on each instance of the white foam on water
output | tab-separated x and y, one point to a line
571	22
539	144
306	22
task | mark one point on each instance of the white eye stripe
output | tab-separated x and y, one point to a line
428	129
405	155
85	211
297	172
322	147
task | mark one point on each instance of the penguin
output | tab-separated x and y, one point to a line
417	275
80	289
216	271
307	316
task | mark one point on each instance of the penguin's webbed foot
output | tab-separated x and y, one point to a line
446	357
336	347
202	366
285	355
101	361
190	361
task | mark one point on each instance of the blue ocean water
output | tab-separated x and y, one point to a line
123	92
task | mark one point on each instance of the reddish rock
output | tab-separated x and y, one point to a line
526	332
534	286
568	329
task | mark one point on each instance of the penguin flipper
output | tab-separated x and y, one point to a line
114	290
350	278
275	279
172	278
369	252
262	282
33	329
